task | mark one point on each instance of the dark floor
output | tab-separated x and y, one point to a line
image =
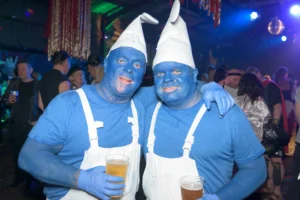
20	193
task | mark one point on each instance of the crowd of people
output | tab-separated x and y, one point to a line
62	128
265	101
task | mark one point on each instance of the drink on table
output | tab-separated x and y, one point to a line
191	187
116	165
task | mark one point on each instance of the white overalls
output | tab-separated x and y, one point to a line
95	155
162	175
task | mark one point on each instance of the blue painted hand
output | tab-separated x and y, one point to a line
213	92
94	181
209	197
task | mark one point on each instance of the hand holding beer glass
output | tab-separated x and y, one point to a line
13	97
116	165
191	187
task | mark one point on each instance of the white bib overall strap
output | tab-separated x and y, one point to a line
162	175
151	137
189	141
91	124
135	123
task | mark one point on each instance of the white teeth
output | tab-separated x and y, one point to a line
170	89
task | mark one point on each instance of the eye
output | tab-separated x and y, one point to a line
137	65
121	61
176	71
158	74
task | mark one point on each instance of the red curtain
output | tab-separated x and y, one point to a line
69	27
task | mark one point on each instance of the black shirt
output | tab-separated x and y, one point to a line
272	96
21	110
49	85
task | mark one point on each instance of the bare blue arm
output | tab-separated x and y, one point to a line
249	177
41	161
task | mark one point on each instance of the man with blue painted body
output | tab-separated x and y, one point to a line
67	147
186	139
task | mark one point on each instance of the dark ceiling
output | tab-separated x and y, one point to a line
198	22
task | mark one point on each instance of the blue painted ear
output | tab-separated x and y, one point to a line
195	73
105	64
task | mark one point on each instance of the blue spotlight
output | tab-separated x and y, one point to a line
253	16
283	38
295	10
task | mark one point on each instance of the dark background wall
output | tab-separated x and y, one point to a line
243	43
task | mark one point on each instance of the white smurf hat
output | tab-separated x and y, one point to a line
133	35
174	43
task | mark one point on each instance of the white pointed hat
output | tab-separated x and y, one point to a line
133	35
174	43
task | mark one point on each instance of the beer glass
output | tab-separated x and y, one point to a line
116	165
15	93
191	187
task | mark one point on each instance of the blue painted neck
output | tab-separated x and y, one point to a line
108	95
190	101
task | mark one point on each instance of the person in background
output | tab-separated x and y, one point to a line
232	81
294	189
186	139
249	99
220	76
77	77
287	87
275	102
55	81
267	77
37	76
95	69
22	97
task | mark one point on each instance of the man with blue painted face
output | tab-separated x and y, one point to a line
68	145
186	139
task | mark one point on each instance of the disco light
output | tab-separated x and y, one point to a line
283	38
253	16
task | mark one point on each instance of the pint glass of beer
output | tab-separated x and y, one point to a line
116	165
191	187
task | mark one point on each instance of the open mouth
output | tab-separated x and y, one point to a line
170	89
125	80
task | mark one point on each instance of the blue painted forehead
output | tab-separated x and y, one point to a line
171	64
127	52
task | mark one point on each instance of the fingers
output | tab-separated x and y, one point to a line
114	186
220	105
112	193
225	105
207	103
230	101
113	179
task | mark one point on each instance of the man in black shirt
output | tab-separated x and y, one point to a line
55	81
21	96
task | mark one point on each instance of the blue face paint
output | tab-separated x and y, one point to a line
175	84
124	70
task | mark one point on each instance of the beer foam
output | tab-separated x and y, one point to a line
117	162
192	186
